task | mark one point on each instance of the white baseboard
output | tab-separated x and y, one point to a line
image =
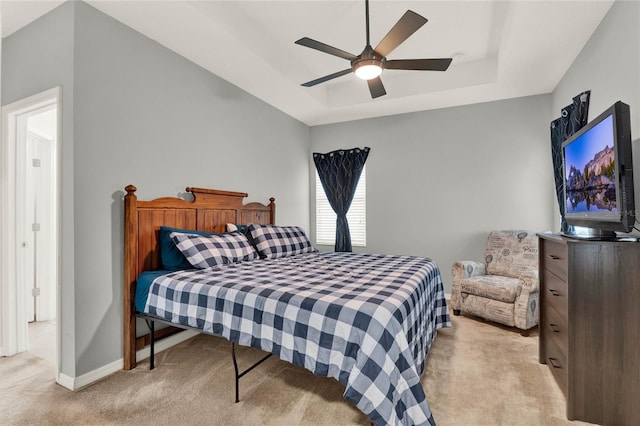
163	344
65	381
76	383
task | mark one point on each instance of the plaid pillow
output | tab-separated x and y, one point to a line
279	241
172	258
205	251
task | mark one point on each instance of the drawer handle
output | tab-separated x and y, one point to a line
553	328
554	362
554	292
554	257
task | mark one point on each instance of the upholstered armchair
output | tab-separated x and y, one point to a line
503	288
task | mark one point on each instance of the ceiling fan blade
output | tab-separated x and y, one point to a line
314	44
407	25
376	87
326	78
419	64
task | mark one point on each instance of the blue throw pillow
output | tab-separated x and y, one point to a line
236	227
172	258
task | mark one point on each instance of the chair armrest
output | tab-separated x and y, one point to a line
529	281
467	269
527	304
461	270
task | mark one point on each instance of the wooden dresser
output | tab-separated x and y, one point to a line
590	326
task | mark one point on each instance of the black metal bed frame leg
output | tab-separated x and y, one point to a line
151	325
240	375
235	367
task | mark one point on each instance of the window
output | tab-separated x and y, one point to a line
326	217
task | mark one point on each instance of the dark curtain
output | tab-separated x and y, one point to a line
339	173
572	119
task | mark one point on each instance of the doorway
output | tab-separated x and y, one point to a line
30	227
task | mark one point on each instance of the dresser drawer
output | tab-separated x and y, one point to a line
554	258
556	292
556	328
557	363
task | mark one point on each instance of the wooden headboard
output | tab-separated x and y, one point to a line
210	210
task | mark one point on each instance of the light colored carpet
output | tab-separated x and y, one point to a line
477	373
42	341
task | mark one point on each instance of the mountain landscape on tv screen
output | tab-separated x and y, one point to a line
594	185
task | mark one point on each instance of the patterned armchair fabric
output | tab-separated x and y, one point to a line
504	288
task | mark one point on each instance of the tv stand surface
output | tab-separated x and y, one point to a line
615	238
589	326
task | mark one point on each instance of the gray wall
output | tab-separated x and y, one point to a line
146	116
439	181
143	115
609	66
34	59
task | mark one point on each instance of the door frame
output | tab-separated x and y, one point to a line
14	329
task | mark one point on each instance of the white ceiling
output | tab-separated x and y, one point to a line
501	49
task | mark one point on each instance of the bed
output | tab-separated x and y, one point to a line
366	320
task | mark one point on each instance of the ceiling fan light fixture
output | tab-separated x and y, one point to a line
368	69
369	64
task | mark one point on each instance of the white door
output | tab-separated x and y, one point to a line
29	223
38	232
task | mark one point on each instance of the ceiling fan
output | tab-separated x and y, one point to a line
369	64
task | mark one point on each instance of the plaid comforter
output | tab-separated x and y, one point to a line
366	320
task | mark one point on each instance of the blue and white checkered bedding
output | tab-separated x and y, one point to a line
366	320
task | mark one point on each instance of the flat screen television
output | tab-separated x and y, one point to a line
598	172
